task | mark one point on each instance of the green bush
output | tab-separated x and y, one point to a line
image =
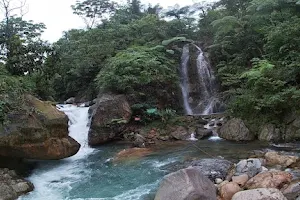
12	89
264	96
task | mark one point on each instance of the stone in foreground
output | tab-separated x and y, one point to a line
276	179
186	184
11	186
259	194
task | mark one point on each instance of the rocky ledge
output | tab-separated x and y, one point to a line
37	131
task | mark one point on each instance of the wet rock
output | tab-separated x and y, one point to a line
235	130
109	115
41	133
274	179
180	133
12	186
259	194
164	138
251	167
188	184
270	133
70	100
218	181
292	191
202	133
241	180
132	154
292	130
139	141
274	158
213	168
227	190
51	149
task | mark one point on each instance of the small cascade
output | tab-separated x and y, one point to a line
213	125
202	100
54	179
193	137
79	125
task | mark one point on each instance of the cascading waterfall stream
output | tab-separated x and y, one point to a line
206	102
206	79
54	178
185	79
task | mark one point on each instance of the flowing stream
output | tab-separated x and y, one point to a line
92	175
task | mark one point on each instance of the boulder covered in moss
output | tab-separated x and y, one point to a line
37	130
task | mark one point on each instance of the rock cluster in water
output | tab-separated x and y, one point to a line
271	176
12	186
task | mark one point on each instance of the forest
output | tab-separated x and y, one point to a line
132	49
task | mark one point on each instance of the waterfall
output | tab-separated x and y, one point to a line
79	125
205	102
185	79
55	178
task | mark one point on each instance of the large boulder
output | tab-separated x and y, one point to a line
180	133
274	179
186	184
228	189
38	131
251	167
259	194
213	168
274	158
269	133
109	115
292	191
12	186
236	130
292	130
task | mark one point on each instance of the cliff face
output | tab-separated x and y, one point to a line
37	131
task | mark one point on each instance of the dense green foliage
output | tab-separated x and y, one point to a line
137	69
135	50
255	47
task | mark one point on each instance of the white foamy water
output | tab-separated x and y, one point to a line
214	138
193	137
134	194
53	179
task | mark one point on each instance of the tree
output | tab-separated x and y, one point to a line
140	72
21	47
93	11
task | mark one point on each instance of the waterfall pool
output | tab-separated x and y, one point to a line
93	175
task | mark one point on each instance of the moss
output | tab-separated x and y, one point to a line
44	108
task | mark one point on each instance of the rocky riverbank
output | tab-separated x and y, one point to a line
270	175
12	186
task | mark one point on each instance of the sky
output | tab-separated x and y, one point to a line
57	15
